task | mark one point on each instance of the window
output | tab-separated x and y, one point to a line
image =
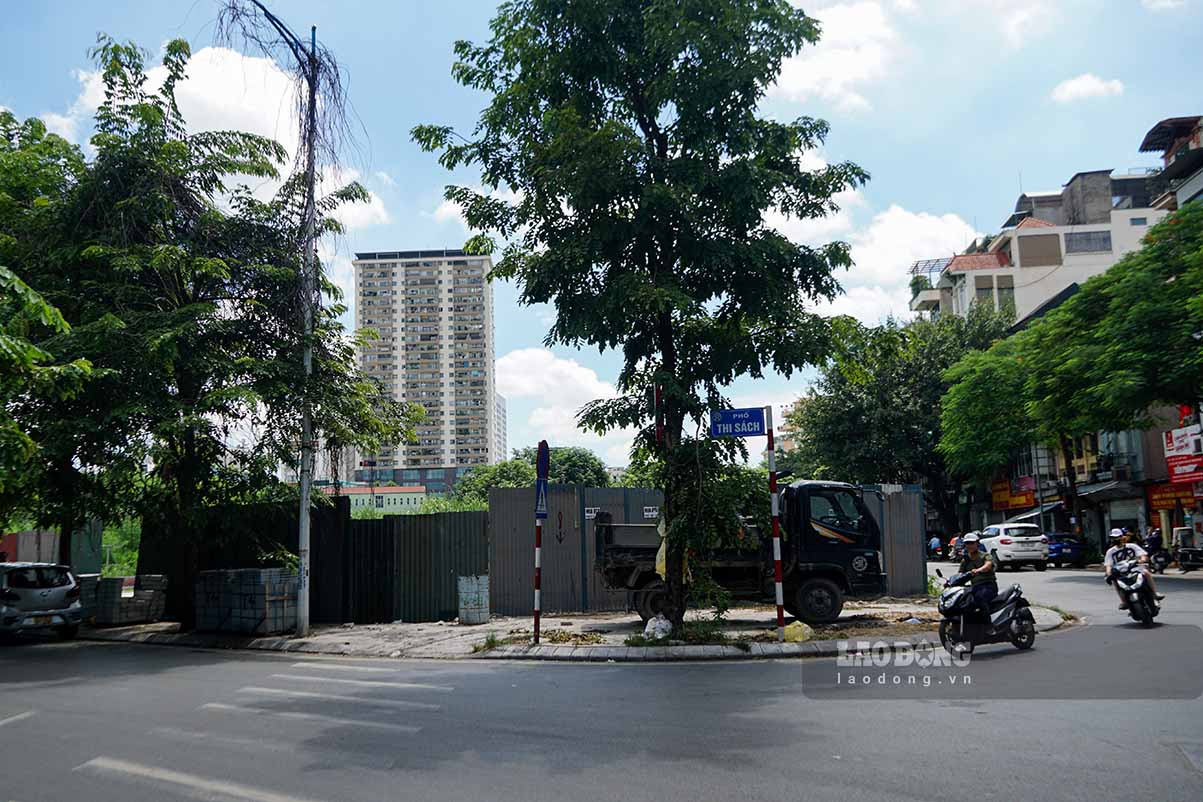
1040	250
1138	221
380	501
836	508
1088	242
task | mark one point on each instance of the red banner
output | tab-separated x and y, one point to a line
1005	495
1168	496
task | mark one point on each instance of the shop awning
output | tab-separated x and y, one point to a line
1105	491
1032	513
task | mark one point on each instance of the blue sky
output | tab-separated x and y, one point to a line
952	106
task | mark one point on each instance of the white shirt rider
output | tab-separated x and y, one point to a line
1137	553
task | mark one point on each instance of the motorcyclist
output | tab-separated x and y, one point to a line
1121	550
982	584
1153	541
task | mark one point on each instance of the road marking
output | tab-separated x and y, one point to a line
189	783
331	697
365	683
314	717
18	717
345	667
222	739
11	686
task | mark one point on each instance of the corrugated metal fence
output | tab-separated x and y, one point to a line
569	583
898	510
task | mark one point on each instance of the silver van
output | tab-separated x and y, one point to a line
39	596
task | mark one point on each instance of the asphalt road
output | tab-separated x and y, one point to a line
107	722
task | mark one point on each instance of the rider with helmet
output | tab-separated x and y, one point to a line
1124	548
982	584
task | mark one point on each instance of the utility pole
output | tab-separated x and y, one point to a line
309	300
310	68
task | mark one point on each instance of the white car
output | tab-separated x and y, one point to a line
1015	545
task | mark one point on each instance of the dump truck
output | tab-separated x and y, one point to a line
830	551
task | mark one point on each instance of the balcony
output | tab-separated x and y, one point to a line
926	300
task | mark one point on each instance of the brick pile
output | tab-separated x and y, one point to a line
257	601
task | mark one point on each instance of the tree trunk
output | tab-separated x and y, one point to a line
1075	501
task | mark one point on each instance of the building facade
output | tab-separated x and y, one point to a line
1180	142
502	442
388	499
433	311
1049	246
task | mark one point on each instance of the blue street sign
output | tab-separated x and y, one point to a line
737	422
540	498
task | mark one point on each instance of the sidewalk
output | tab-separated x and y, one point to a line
574	637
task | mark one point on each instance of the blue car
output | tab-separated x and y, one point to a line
1065	549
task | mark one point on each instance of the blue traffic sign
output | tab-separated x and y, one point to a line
540	498
737	422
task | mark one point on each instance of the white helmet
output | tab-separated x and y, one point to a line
1116	534
971	538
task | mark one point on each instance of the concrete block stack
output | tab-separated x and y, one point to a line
88	585
255	601
113	607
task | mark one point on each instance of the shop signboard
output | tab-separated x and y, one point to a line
1184	455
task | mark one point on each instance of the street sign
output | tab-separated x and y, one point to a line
542	468
737	422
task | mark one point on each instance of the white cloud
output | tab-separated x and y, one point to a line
1086	85
856	48
384	178
225	90
1162	5
558	388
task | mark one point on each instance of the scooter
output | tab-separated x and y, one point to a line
965	625
1160	560
1142	604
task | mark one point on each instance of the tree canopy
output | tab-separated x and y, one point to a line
629	137
570	465
473	487
874	414
181	288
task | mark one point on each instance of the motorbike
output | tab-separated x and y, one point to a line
1142	604
966	626
1160	560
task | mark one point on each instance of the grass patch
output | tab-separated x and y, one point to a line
489	643
560	636
1066	616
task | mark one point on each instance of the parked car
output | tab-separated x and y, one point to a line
1016	545
1065	549
37	596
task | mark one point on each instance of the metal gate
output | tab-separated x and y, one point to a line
898	510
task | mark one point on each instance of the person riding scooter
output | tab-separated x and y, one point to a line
1121	550
982	584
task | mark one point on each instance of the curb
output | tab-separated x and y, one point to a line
553	653
756	651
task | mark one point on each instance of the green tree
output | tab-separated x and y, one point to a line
984	416
182	288
473	487
26	372
630	135
875	412
570	465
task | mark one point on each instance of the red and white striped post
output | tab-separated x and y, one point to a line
538	570
542	469
768	423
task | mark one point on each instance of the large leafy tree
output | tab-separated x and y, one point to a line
629	135
183	289
874	415
570	465
472	489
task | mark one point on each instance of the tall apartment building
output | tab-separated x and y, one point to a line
502	451
434	313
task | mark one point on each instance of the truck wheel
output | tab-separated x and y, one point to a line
67	632
818	601
650	600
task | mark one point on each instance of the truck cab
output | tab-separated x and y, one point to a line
830	550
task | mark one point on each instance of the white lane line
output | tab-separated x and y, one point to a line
314	717
222	739
332	697
365	683
46	683
190	784
345	667
16	718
